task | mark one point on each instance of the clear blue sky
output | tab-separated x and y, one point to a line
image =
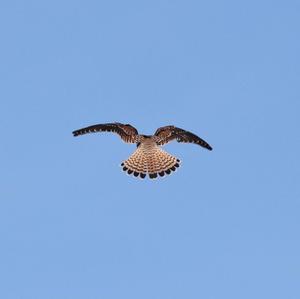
226	225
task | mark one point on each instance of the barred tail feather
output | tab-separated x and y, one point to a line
154	163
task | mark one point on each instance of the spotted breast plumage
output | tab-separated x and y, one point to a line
149	158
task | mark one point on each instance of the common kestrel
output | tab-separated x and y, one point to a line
149	158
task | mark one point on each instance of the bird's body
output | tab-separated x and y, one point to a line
149	158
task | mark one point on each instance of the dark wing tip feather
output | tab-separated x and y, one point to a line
90	129
78	132
209	147
197	140
206	145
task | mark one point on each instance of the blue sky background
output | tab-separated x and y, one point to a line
226	225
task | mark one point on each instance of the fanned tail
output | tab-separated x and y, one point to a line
154	162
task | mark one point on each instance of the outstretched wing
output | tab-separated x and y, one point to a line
127	132
169	133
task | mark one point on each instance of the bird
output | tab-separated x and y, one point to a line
149	158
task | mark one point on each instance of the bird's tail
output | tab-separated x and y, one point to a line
155	163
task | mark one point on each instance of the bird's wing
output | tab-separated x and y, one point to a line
169	133
127	132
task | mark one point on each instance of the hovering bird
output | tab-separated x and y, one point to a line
149	158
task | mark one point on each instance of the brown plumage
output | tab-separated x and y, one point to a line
148	158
